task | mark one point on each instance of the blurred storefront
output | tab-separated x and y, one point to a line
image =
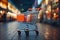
6	9
50	10
3	9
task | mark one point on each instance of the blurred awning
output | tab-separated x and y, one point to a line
13	8
5	9
4	4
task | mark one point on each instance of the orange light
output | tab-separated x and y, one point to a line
56	0
46	2
55	16
38	9
29	18
20	18
4	4
57	10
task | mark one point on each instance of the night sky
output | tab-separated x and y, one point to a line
22	4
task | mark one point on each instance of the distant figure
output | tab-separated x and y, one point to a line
3	16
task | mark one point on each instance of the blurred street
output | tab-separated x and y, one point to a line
8	31
29	19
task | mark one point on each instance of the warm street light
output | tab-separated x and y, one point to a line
4	4
46	2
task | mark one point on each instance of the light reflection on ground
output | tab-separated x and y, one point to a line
8	31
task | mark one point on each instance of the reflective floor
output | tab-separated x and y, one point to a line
8	31
49	32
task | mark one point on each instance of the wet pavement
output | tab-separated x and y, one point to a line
8	31
49	32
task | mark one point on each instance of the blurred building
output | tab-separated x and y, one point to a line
49	11
13	8
3	9
7	9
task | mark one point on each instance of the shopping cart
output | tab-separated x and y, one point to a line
30	25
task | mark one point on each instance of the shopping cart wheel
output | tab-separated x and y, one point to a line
19	32
27	32
37	33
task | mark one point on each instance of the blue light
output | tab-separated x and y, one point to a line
39	1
